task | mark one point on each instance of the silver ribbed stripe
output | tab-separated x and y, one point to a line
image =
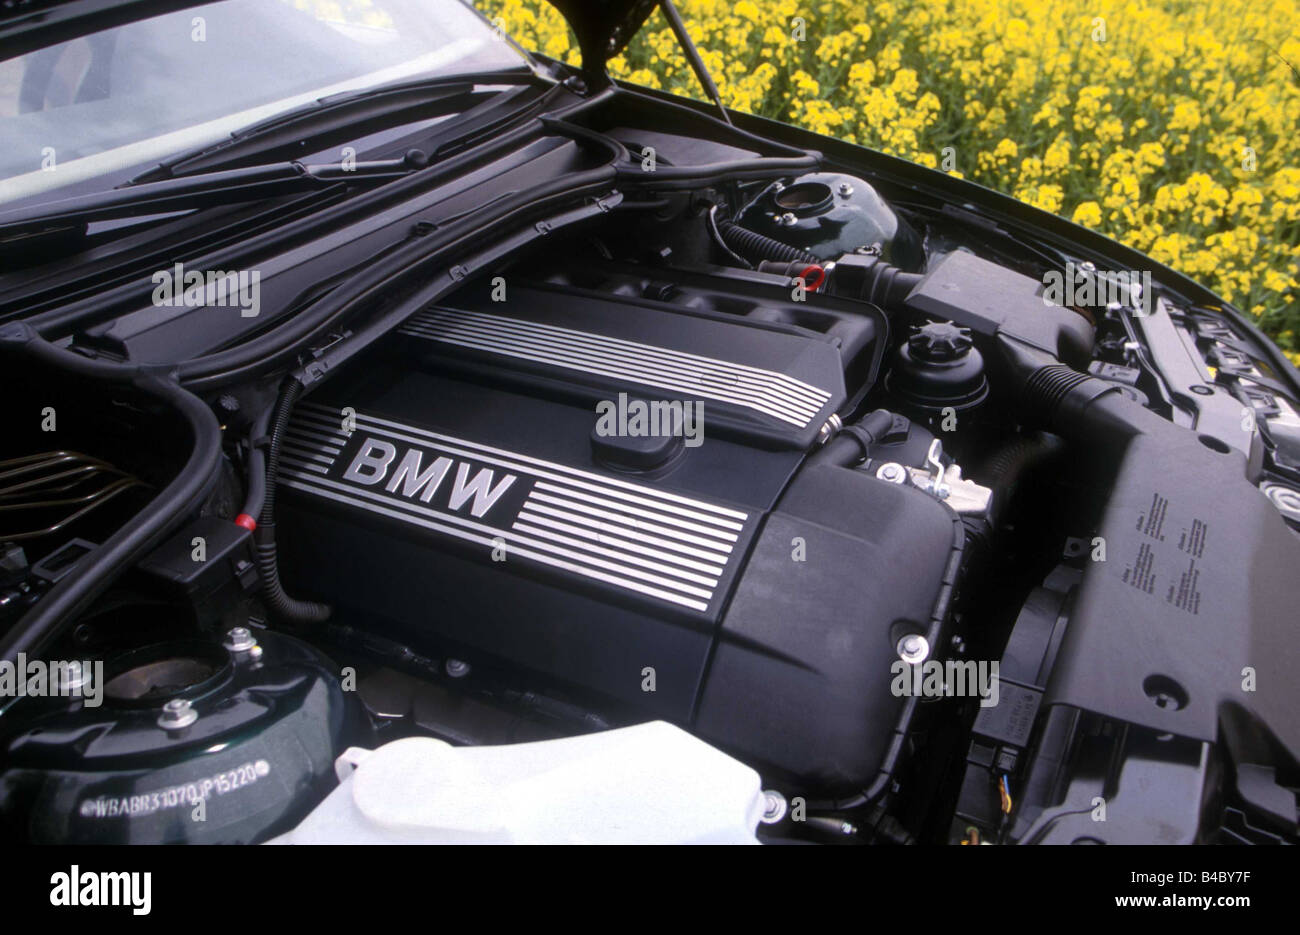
769	392
312	448
662	545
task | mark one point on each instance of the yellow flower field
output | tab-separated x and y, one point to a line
1170	125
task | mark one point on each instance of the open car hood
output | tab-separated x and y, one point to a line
38	24
603	27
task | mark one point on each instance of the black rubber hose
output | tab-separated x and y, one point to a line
1047	387
279	604
890	287
853	443
1067	402
256	496
756	247
712	219
1009	464
1006	465
882	284
59	607
1051	394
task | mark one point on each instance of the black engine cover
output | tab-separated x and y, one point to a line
451	495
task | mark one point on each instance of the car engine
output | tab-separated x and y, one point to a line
803	463
623	558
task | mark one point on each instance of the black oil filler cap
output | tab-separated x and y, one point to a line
635	453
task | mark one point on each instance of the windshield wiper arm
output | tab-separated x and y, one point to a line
338	116
164	190
228	186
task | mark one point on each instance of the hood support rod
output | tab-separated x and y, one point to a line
693	55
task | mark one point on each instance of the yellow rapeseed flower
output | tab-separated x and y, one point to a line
1175	135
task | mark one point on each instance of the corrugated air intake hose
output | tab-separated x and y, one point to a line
756	247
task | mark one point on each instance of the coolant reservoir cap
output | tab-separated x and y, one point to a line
938	341
939	367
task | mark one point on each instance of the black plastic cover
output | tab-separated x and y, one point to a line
801	675
574	572
1192	613
991	299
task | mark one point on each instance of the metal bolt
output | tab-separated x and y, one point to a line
240	639
176	714
846	189
457	668
913	648
788	219
892	471
774	807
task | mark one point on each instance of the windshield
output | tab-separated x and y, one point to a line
135	94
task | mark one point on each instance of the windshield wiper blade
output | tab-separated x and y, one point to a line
336	117
160	191
189	192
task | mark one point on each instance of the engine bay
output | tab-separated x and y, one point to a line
799	461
